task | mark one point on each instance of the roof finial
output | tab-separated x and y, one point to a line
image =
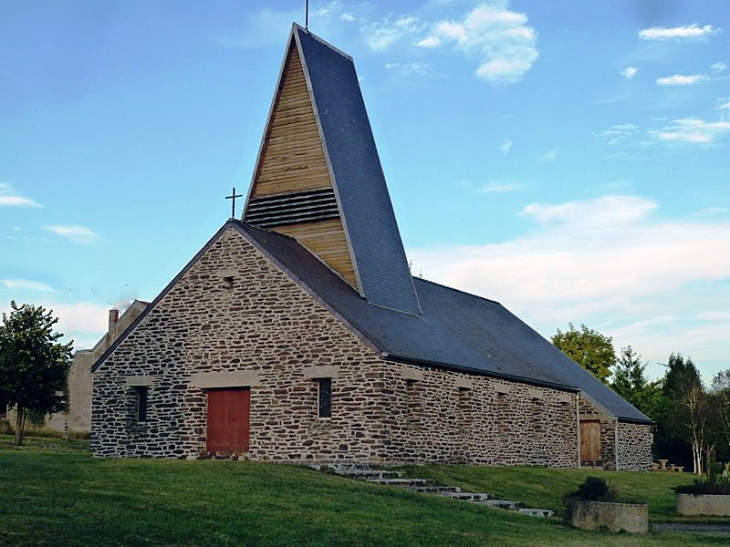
306	15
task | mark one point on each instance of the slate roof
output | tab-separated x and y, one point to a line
456	330
359	183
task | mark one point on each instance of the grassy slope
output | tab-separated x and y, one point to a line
63	498
542	487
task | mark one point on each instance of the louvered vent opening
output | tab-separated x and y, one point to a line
282	209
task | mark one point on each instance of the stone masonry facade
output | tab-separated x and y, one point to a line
234	319
634	441
624	446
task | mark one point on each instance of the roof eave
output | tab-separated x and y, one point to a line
479	372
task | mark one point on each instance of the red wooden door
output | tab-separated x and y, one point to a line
590	442
228	420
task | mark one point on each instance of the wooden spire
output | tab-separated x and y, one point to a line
292	191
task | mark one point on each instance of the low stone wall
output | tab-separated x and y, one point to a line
691	505
615	517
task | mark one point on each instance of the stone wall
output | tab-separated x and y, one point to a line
234	319
634	441
205	331
444	416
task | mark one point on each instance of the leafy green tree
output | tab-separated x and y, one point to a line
720	389
688	412
630	381
33	364
589	348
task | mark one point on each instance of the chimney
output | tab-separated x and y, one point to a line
113	318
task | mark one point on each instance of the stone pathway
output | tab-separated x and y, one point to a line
426	486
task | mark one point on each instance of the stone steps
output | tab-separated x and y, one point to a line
370	474
478	497
388	477
403	483
437	489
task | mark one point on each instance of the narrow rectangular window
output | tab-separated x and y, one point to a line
413	404
464	405
325	397
140	393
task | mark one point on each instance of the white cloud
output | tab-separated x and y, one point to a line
609	263
680	79
76	234
26	284
506	146
81	317
83	321
501	38
691	130
496	187
724	104
718	67
550	155
332	10
9	197
630	72
687	32
382	35
409	69
618	133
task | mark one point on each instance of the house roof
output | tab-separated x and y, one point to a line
358	181
456	330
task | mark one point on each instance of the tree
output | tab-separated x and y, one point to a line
589	348
33	365
720	389
688	410
629	381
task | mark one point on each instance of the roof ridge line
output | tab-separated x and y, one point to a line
322	41
457	290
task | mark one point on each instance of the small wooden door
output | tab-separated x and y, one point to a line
590	442
228	420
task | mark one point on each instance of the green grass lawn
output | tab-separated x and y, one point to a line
56	494
542	487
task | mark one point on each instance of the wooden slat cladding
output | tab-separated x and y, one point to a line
292	159
326	239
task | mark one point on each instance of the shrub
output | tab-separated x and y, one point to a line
595	489
715	485
592	489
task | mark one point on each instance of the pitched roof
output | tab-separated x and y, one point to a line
356	176
456	330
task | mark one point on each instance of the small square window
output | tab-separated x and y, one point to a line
140	399
325	397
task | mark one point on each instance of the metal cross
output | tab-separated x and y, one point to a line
306	15
233	197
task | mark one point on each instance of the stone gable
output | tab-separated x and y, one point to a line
235	319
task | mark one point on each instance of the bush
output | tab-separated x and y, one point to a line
592	489
715	485
595	489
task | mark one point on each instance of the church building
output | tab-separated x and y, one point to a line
298	333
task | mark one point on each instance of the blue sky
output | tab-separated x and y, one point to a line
568	159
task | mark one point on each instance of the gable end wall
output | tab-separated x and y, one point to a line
264	324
